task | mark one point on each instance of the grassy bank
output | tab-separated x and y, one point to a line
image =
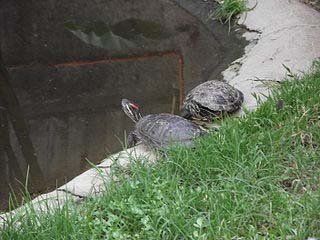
257	178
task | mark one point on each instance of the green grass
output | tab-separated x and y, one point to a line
227	9
257	178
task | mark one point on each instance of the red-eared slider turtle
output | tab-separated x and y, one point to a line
210	100
160	130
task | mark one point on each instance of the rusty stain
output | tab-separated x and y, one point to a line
171	54
180	78
121	59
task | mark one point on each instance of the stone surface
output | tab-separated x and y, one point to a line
139	152
281	32
92	182
44	203
89	183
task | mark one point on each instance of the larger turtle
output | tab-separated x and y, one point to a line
160	130
210	100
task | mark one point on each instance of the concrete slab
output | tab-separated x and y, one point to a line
44	203
92	182
280	32
88	183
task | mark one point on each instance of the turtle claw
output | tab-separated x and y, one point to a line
132	140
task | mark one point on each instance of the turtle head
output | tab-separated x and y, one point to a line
131	109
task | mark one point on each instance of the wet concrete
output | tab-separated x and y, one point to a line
68	92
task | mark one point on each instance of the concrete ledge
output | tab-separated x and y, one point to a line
280	32
44	203
92	182
89	183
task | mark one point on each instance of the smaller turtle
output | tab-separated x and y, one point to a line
160	130
210	100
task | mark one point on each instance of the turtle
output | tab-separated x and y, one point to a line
211	100
159	131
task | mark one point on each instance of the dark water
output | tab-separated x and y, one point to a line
76	116
60	95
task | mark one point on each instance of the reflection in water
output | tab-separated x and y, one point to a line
76	115
125	34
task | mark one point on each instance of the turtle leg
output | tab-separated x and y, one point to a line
132	139
185	113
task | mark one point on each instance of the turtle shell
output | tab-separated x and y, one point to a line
160	130
214	96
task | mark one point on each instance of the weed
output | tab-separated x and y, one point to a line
227	9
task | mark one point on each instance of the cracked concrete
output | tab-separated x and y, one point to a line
280	32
